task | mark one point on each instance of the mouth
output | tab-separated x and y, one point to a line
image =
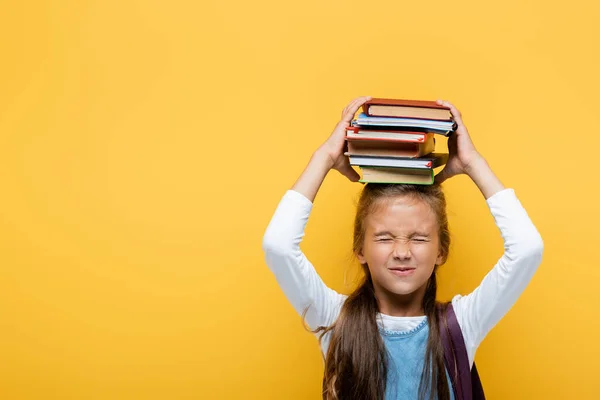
402	271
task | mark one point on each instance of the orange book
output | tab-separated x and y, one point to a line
396	108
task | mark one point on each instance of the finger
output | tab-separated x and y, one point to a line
451	106
351	109
453	110
352	102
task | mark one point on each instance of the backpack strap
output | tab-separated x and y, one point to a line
465	380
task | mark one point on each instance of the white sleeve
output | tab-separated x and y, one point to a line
480	311
295	274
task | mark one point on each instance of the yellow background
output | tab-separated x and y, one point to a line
144	146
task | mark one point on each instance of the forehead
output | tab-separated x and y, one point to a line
401	214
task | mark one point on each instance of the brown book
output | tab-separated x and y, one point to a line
397	175
381	148
396	108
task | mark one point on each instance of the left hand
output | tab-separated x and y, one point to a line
463	154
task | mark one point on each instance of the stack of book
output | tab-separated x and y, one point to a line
393	141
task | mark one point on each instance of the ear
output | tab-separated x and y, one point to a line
361	257
441	259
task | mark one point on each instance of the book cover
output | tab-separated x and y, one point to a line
430	161
397	175
354	133
379	107
379	148
423	125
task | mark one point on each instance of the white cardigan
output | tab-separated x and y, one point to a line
477	312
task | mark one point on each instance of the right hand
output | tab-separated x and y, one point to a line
333	148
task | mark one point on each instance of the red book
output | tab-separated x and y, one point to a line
386	135
378	148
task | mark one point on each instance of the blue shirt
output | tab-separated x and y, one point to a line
406	357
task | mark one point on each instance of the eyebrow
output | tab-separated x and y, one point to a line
383	233
388	233
420	234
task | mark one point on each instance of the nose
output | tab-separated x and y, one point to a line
401	250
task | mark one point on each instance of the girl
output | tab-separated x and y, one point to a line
382	341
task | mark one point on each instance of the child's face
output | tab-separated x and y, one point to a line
401	245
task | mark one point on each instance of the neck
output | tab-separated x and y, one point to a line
401	305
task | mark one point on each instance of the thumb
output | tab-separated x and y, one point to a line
349	172
441	176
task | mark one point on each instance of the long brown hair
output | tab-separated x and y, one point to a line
356	363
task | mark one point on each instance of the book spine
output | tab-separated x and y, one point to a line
398	140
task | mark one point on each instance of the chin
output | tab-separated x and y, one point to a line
403	289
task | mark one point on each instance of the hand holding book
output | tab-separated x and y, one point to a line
330	155
462	152
333	147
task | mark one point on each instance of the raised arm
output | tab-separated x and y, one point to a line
465	159
330	155
281	242
481	310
